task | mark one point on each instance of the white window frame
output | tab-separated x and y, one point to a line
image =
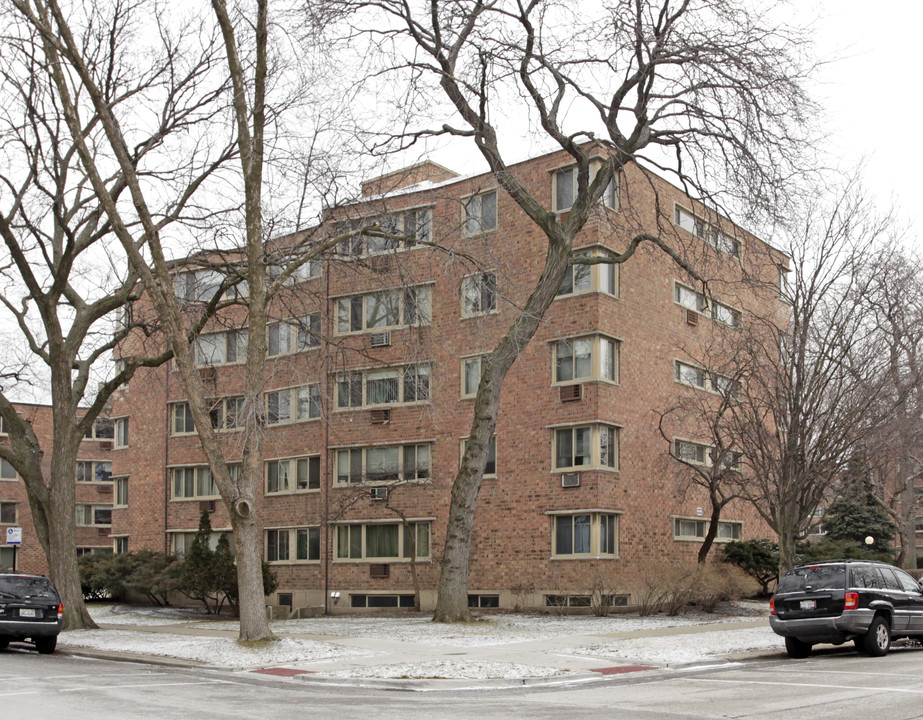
595	447
219	414
608	199
359	476
701	528
240	338
293	467
706	231
82	511
592	280
15	506
473	217
683	371
396	222
122	437
706	454
7	471
472	364
596	359
598	523
343	532
181	415
290	402
200	474
291	535
120	491
402	376
491	456
413	307
188	536
293	336
94	470
478	290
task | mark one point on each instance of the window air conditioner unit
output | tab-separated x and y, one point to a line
380	339
692	317
209	374
105	444
104	489
379	570
381	262
102	532
381	416
379	493
571	393
570	480
207	506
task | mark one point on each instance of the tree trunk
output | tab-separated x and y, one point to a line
711	533
248	546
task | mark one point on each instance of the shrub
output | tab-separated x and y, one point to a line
830	549
714	583
666	587
757	558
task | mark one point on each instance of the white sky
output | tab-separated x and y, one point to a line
871	97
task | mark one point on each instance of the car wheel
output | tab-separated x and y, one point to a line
877	640
797	648
46	645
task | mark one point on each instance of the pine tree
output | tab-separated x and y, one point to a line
198	578
857	513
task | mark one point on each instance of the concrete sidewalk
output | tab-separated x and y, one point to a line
553	660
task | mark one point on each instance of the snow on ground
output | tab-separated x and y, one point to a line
220	652
449	670
677	649
296	647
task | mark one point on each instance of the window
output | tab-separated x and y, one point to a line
8	513
197	482
284	476
121	433
725	314
490	469
183	423
3	428
690	299
305	271
588	534
483	601
472	369
784	288
695	529
590	358
690	375
391	463
182	541
479	294
228	413
565	188
381	601
293	545
120	545
414	224
121	491
707	231
293	404
92	471
585	447
392	309
291	337
8	559
221	348
481	213
7	471
199	286
580	279
699	454
94	515
102	430
382	541
384	387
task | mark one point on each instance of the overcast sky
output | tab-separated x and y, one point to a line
872	97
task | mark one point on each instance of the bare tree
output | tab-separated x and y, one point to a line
817	384
64	286
707	91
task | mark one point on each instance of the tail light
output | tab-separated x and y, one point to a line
772	606
851	602
60	611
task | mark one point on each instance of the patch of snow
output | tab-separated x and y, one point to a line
449	670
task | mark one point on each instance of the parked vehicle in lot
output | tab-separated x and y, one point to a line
871	603
30	609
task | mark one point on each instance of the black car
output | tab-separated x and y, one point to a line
870	603
30	609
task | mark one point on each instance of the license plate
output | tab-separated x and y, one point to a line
26	612
809	604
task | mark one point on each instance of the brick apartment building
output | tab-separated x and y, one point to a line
374	361
94	494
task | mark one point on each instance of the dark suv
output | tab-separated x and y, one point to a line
29	609
832	602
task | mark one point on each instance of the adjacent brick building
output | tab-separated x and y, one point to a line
375	358
94	494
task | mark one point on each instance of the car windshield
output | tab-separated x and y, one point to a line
27	587
815	577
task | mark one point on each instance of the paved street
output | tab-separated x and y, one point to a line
835	683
